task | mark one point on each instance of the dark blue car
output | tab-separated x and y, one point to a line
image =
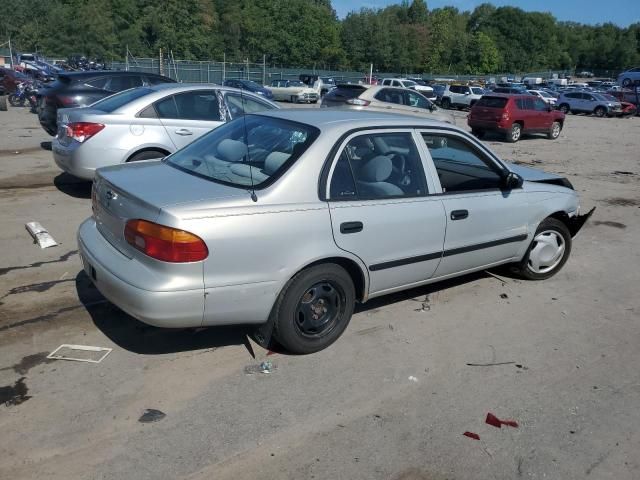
249	86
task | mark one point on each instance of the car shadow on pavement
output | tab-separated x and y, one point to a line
137	337
46	145
72	186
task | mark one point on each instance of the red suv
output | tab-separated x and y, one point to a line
513	115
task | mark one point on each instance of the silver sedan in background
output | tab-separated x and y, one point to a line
287	218
145	123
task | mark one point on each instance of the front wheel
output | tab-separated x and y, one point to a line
600	112
477	132
446	103
564	108
313	309
555	131
548	252
514	133
16	100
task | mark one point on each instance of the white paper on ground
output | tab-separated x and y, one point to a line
40	235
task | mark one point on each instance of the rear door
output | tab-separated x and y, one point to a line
545	118
485	225
189	115
381	210
237	104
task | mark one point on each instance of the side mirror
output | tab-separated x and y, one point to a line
512	181
432	107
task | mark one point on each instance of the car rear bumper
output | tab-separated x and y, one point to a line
104	265
82	159
488	125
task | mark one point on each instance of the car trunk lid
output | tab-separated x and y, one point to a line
141	190
489	108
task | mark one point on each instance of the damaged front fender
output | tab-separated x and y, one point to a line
576	222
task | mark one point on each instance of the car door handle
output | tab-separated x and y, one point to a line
459	214
351	227
183	131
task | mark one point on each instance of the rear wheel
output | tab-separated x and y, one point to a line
477	132
16	100
446	103
555	131
147	155
600	112
313	309
548	252
514	133
564	108
626	82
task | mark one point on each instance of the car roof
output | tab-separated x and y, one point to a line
349	119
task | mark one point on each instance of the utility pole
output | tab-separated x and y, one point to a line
224	66
10	54
126	60
161	64
264	69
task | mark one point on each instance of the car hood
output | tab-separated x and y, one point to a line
160	185
540	176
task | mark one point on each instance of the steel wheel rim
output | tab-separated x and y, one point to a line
319	309
547	251
515	131
556	130
599	112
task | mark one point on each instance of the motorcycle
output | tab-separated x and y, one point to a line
25	92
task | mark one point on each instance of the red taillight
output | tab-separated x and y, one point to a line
165	243
67	101
505	116
83	131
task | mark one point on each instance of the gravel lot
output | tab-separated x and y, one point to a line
569	347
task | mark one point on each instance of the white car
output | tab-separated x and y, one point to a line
293	91
417	85
545	96
460	96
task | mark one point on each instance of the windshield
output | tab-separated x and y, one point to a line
477	90
296	83
251	84
545	94
409	83
249	151
120	99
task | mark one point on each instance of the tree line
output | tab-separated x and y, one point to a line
405	37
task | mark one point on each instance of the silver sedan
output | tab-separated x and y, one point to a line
287	218
145	123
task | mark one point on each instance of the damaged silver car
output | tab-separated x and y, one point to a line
285	219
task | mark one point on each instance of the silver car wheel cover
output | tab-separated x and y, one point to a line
556	130
547	252
515	131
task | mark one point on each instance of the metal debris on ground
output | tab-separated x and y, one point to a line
40	235
496	422
264	367
86	349
151	415
489	364
504	295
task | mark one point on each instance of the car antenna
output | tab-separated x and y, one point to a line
246	138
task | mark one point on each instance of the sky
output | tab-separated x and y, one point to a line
620	12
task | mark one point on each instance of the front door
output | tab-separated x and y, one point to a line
189	115
381	210
485	224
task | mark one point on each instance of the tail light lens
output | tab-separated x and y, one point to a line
505	116
83	131
165	243
358	101
67	101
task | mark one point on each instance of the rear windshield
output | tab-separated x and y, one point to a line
250	151
346	91
492	102
120	99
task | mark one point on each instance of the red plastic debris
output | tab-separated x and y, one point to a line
270	352
496	422
475	436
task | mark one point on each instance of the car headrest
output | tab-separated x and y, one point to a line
274	161
232	150
378	169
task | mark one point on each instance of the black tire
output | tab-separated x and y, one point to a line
446	103
477	132
564	108
514	133
600	112
325	290
556	229
16	101
554	132
147	155
3	103
626	82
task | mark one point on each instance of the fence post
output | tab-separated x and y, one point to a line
224	65
264	69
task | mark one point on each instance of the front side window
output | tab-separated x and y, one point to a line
241	104
198	105
461	168
376	166
252	151
540	105
416	100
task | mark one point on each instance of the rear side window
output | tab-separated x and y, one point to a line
376	166
99	82
198	105
156	80
492	102
345	92
123	82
